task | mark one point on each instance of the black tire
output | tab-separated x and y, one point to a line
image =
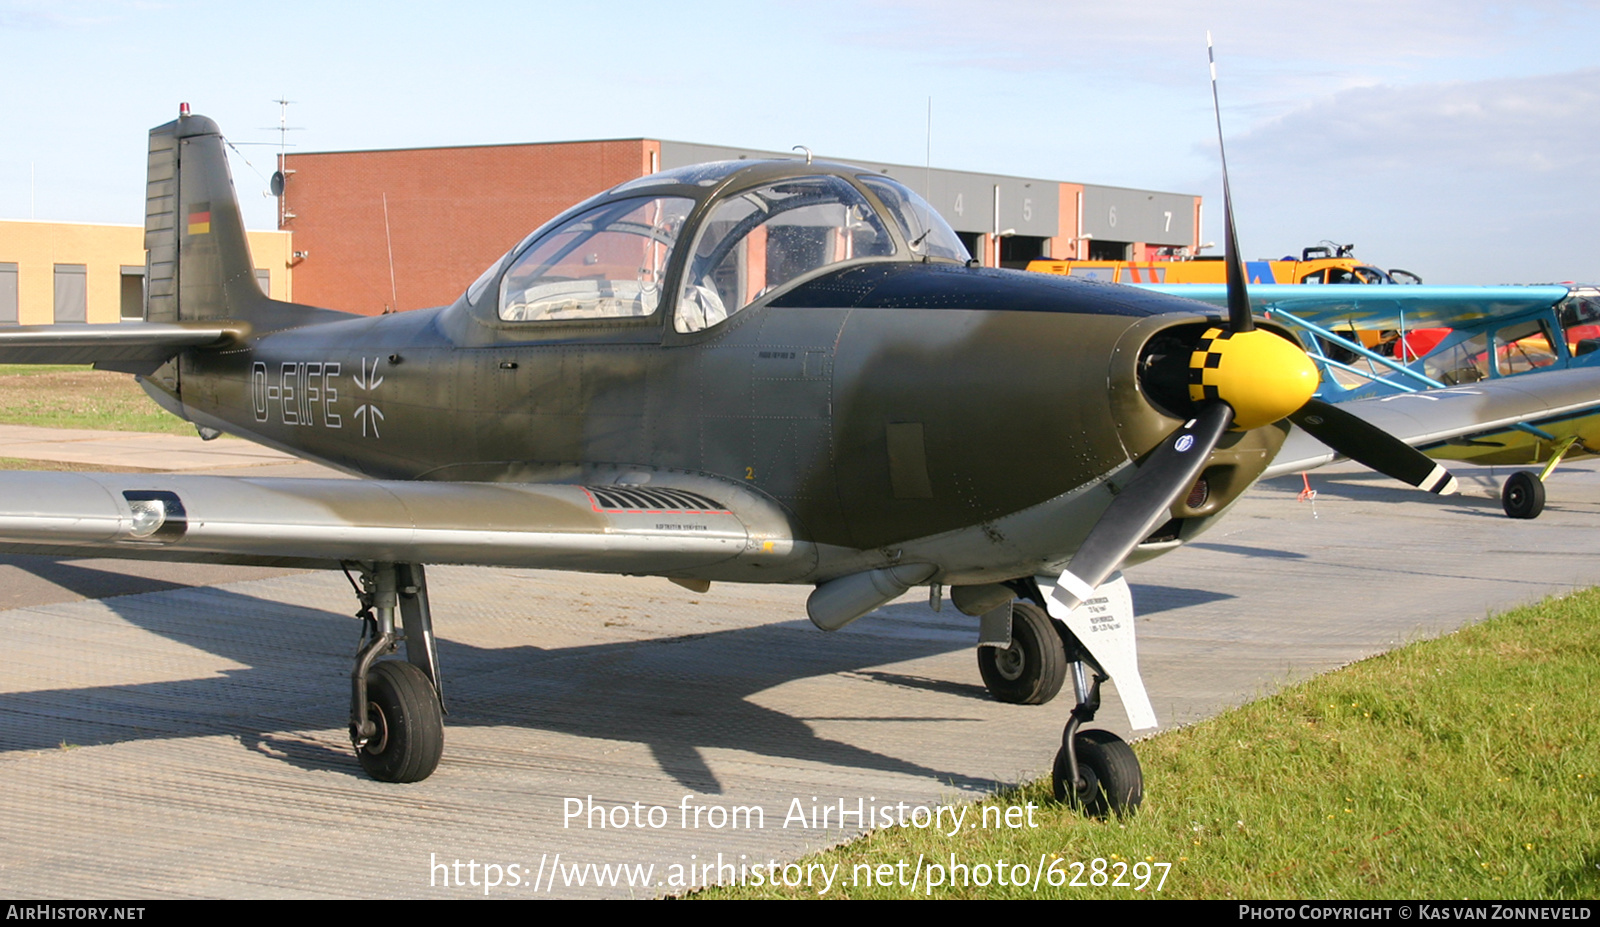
1523	495
1113	781
409	739
1032	669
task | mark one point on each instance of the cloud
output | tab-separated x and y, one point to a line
1467	181
56	15
1539	125
1165	36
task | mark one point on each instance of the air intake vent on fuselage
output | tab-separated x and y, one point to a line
636	499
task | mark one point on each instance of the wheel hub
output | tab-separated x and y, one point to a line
1010	662
379	741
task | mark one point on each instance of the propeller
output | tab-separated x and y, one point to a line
1372	447
1240	377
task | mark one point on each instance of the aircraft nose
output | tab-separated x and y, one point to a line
1261	375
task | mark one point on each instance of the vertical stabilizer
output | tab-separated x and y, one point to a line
199	260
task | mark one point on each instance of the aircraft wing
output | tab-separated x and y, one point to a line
1376	306
1431	416
639	528
85	343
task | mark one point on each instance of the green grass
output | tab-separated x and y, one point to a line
27	370
80	397
1466	767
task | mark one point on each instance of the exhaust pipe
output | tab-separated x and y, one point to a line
838	602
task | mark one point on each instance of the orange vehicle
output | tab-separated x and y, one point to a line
1318	264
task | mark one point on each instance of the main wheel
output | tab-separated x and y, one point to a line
409	735
1113	782
1031	670
1523	495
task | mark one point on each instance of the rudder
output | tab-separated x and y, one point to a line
199	264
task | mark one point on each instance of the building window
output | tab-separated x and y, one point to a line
72	293
264	280
1017	250
1101	250
132	293
8	293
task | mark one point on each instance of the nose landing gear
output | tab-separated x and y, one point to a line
1095	770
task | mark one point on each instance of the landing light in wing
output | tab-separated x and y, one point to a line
148	517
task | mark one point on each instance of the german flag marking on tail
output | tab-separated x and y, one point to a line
200	219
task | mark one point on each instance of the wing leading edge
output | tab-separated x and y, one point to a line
1377	306
320	523
1431	416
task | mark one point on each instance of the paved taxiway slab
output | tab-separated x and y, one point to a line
189	741
133	450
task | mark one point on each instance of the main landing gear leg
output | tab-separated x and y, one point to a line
396	709
1095	769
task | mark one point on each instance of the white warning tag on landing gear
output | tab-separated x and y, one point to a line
1104	624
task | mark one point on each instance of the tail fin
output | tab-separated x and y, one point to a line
200	264
199	259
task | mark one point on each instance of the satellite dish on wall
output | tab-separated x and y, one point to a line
277	183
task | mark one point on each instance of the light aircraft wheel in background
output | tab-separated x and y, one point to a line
1111	781
1523	495
409	736
1032	670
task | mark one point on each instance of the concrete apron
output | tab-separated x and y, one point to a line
191	742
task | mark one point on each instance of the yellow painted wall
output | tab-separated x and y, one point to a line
36	247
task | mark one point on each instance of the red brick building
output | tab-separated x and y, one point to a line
411	228
450	212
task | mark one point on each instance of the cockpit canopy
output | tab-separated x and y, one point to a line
709	240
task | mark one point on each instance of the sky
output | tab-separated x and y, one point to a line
1454	139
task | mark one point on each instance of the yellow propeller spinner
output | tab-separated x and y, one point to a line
1262	376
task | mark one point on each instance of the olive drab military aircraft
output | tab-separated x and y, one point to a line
768	371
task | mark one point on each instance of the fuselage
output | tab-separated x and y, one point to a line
878	398
873	425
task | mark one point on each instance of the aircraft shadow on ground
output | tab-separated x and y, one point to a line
88	582
679	695
1364	486
1375	487
1247	551
1150	599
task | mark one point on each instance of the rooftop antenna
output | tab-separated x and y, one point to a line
394	297
281	175
927	185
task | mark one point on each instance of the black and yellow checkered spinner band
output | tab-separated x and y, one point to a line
1207	356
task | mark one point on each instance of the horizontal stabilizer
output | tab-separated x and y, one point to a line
83	343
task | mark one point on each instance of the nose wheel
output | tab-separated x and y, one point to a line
1109	780
1095	770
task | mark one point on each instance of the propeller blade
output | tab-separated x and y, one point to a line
1239	317
1356	439
1167	474
1372	447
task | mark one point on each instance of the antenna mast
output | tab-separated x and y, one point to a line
280	178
